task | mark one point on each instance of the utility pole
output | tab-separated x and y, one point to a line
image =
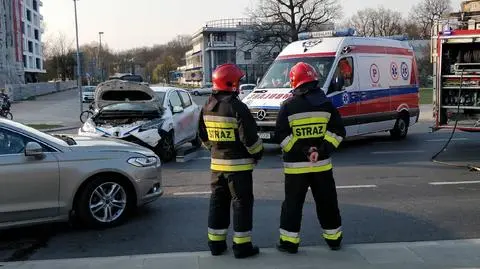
79	75
100	55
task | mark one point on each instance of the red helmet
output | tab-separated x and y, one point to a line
302	73
226	77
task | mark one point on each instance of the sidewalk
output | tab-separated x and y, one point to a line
426	113
438	254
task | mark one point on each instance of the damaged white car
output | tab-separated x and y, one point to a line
134	112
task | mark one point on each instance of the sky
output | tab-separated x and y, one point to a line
128	24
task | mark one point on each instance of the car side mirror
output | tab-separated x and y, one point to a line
337	84
177	109
33	149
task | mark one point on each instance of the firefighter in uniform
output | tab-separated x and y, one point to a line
229	131
309	128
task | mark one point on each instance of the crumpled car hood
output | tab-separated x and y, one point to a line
115	91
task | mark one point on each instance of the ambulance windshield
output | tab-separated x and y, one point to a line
277	75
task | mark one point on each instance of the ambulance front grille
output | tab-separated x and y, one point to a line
270	114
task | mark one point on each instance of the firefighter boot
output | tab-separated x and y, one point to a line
335	244
245	250
285	246
217	247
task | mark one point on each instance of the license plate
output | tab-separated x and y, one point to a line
264	135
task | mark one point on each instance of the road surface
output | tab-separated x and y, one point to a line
389	191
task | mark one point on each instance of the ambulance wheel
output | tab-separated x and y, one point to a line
400	130
166	148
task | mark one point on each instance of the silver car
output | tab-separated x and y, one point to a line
45	178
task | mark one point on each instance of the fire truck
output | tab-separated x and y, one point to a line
455	55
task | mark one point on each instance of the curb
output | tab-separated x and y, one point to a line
368	249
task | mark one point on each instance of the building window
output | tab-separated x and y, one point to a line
37	49
29	31
29	15
35	5
23	27
37	63
24	61
30	46
30	62
247	55
35	19
37	35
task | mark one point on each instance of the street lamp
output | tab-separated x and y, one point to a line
79	83
100	54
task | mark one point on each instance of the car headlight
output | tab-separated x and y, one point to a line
144	161
88	127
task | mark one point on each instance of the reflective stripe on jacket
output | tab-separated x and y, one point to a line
229	131
302	124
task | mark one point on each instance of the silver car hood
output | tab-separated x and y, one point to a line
121	87
100	144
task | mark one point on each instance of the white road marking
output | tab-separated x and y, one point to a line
209	192
397	152
454	182
356	186
446	139
191	193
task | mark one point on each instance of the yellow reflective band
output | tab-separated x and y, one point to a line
313	114
231	168
309	169
334	139
242	240
288	143
309	131
224	125
256	148
222	135
216	237
335	236
305	121
295	240
219	118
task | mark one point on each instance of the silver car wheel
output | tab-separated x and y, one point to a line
108	202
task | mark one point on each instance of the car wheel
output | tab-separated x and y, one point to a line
166	148
196	93
400	130
197	142
105	202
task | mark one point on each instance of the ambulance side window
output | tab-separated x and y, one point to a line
343	76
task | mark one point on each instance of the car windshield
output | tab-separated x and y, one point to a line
278	74
142	107
160	96
89	89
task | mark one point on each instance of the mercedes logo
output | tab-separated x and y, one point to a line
261	114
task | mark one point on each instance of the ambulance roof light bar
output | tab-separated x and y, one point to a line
403	37
330	33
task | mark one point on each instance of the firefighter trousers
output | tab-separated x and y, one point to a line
324	192
236	189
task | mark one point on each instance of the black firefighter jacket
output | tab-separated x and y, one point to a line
228	129
308	119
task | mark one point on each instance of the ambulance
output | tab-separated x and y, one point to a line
372	81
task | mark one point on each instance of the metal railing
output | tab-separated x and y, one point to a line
226	23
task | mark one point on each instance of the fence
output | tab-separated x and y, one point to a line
19	92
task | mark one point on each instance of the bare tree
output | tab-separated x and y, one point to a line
426	12
59	54
278	22
377	22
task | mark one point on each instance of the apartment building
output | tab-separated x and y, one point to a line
32	30
216	43
21	50
11	67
